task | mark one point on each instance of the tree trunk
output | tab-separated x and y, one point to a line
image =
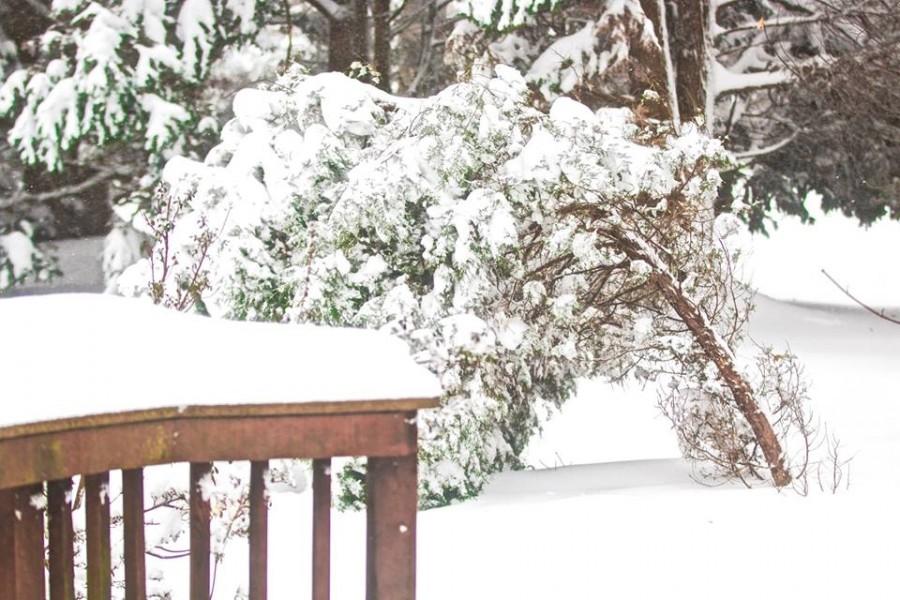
381	11
340	45
716	350
658	62
347	38
689	49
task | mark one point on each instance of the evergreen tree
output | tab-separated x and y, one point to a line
803	93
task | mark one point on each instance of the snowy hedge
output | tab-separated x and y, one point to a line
21	259
503	243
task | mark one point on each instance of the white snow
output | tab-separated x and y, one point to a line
611	512
787	264
70	355
620	517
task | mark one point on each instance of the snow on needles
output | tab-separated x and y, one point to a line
330	201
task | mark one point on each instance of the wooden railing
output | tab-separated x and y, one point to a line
51	453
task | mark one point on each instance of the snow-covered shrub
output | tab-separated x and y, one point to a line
719	441
514	250
20	258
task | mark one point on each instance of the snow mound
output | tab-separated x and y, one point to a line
72	355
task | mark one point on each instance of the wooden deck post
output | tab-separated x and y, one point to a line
391	528
29	543
62	539
7	544
321	558
200	532
259	531
133	516
99	556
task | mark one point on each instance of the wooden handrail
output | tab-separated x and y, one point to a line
52	452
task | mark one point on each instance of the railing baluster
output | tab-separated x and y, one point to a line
200	514
99	558
7	544
133	515
29	543
391	528
61	534
321	577
259	531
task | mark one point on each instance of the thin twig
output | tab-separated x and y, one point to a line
878	313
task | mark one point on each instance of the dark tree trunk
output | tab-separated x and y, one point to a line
689	55
347	38
341	53
381	10
687	43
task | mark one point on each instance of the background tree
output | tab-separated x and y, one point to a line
803	92
97	95
515	250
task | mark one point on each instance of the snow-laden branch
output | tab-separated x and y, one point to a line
331	9
729	82
779	22
754	152
60	192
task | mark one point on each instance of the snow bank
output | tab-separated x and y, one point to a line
787	265
72	355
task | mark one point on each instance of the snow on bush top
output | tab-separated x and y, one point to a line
484	232
502	14
183	360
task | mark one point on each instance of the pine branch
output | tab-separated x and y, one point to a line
331	9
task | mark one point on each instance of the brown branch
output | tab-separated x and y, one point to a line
69	190
878	313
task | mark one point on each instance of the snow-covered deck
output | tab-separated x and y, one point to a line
71	357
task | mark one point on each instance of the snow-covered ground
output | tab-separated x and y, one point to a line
618	515
788	263
610	511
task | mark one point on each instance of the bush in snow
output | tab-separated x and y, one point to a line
21	259
514	250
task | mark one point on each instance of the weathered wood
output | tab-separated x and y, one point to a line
133	516
321	555
99	563
29	543
62	539
7	544
58	455
220	411
259	531
389	439
391	528
200	514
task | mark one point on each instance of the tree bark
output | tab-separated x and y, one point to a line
347	37
689	49
659	62
381	11
716	350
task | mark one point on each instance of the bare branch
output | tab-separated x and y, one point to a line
878	313
69	190
779	22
